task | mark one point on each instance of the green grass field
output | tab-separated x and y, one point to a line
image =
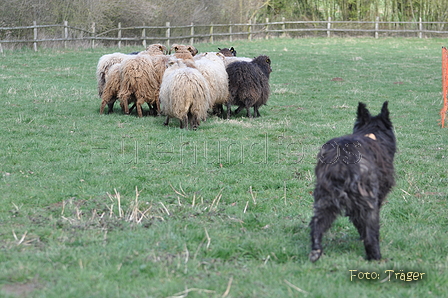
116	206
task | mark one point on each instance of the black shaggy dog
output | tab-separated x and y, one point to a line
249	84
354	173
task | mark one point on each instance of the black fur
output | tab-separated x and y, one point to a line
249	84
354	173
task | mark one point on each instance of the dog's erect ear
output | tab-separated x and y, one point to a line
385	114
363	114
385	110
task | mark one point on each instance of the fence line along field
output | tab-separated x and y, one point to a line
116	205
65	35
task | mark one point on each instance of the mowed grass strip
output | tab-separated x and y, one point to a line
117	206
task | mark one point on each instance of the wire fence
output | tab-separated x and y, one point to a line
64	35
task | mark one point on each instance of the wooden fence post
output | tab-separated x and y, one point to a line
420	28
283	28
211	33
329	27
167	34
35	36
377	26
230	33
249	31
65	33
267	29
93	35
192	34
119	35
144	36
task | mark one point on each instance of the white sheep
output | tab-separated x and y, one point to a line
212	67
184	94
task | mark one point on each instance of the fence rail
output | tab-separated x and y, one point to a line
63	34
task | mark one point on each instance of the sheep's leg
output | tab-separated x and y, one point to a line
134	102
139	110
132	108
256	112
167	121
124	104
139	107
238	110
153	109
229	109
320	223
194	121
157	107
218	110
184	122
110	107
157	103
103	105
248	112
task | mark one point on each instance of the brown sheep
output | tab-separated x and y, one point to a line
111	88
112	81
175	48
141	77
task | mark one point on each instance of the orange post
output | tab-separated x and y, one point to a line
444	85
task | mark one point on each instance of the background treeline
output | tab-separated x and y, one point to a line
107	14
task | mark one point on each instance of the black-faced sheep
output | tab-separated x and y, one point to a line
184	94
227	52
249	84
212	67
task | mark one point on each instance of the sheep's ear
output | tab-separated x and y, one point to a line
219	49
363	115
220	55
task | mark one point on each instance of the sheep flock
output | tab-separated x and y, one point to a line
182	83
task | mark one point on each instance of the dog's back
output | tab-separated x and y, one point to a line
354	173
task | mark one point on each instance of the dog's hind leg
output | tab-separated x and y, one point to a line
320	223
369	230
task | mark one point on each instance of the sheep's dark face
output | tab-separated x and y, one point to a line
227	52
264	62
